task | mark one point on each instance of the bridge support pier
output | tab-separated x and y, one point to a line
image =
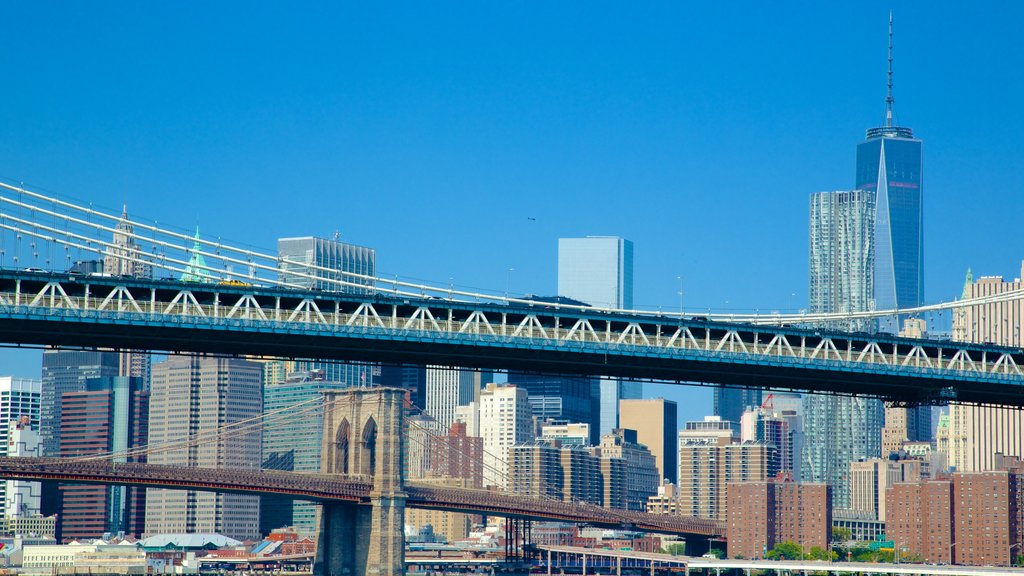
363	436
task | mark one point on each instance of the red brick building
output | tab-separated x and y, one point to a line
457	455
920	519
763	514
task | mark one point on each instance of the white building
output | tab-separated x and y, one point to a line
505	420
21	498
447	388
19	397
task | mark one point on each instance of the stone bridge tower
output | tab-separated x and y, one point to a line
363	437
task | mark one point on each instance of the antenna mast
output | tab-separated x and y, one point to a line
888	97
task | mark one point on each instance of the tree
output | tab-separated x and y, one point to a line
819	553
840	534
787	550
677	549
717	553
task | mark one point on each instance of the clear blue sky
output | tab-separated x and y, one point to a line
437	132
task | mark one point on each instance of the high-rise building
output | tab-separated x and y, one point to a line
782	428
565	433
839	430
329	265
458	455
124	257
189	396
448	388
889	165
68	371
731	403
869	479
110	416
641	474
598	270
763	514
977	433
920	519
22	499
571	398
710	458
292	443
655	423
408	377
505	420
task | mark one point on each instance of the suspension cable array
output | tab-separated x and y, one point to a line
45	218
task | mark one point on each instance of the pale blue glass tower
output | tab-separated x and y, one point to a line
598	270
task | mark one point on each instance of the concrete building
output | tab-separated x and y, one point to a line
535	470
19	398
655	422
781	428
598	270
869	480
420	429
22	498
448	388
581	475
977	433
763	514
505	420
666	501
641	473
567	433
110	416
710	458
451	526
193	395
458	455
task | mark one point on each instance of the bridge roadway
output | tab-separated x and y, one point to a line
604	561
38	308
327	488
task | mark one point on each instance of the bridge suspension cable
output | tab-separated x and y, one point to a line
270	270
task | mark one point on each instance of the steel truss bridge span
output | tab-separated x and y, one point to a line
332	488
38	308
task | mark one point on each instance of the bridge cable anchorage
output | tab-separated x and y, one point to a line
566	498
267	270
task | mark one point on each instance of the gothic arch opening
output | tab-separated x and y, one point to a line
369	447
341	448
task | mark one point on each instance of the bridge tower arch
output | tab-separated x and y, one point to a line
363	437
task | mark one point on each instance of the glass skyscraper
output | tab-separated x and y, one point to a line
598	270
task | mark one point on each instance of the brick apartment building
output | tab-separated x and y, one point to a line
763	514
974	519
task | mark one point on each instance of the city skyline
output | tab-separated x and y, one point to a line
671	126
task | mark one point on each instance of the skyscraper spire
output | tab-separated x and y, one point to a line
888	97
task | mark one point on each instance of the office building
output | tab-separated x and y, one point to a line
458	455
67	371
448	388
535	470
780	428
110	416
977	433
193	395
763	514
869	480
641	471
420	430
291	442
655	423
889	165
505	421
569	398
124	257
731	403
598	270
329	265
22	499
408	377
903	425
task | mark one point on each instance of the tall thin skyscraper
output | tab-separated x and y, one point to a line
193	395
598	270
125	258
889	164
449	388
731	403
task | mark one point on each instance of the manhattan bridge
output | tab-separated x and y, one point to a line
210	297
